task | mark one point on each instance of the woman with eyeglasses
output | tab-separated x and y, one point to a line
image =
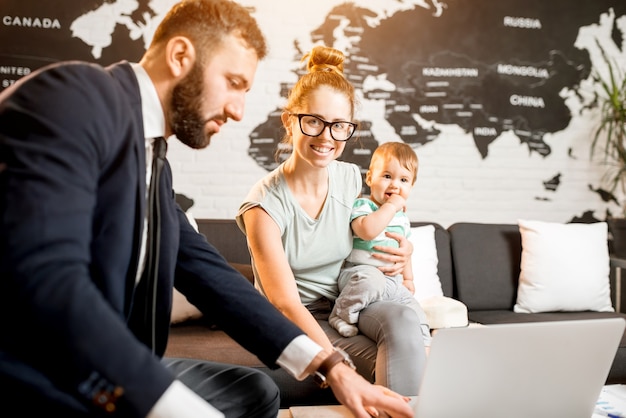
297	223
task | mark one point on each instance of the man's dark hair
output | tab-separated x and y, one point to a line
206	22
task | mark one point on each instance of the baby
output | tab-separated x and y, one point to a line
391	176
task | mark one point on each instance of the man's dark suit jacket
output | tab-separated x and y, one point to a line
72	201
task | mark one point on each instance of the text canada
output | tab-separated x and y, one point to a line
31	22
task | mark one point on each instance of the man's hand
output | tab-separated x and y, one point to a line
397	257
364	399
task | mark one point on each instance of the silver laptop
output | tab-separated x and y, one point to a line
527	370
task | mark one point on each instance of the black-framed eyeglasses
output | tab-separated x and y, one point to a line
311	125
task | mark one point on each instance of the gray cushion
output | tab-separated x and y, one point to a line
487	275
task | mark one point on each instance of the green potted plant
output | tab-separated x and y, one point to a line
610	138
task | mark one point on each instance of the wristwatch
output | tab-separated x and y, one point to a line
336	357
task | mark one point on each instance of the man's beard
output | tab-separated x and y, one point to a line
185	118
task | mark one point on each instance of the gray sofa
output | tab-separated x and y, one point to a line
486	267
478	264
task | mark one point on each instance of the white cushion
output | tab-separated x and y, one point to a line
424	260
444	312
441	311
564	267
182	309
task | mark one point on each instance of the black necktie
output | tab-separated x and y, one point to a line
154	238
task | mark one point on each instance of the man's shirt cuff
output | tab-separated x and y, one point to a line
298	355
178	401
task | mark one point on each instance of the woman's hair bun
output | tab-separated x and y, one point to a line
323	58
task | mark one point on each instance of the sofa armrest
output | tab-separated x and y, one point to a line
618	264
